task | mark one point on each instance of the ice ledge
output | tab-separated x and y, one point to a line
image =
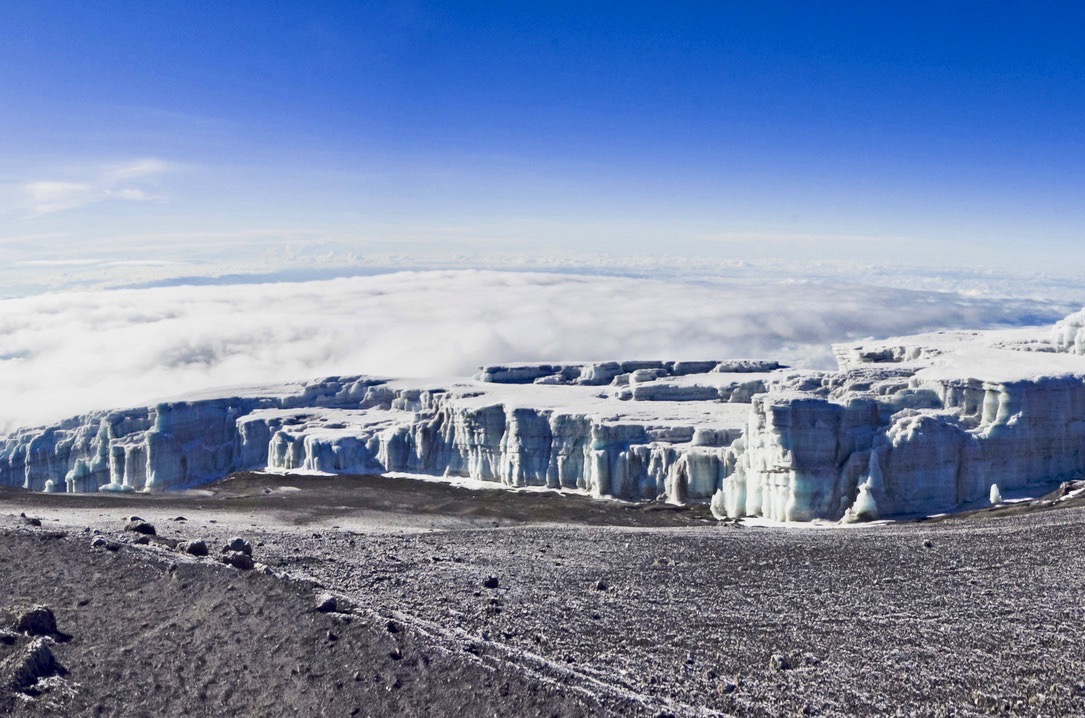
907	426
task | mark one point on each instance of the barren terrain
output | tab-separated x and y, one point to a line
456	602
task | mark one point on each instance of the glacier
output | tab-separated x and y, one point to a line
905	426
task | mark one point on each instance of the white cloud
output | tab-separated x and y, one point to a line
65	353
105	183
51	196
798	237
135	169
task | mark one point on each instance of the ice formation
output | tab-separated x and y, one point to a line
912	425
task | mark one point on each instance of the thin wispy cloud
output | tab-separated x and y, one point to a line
65	353
115	182
798	237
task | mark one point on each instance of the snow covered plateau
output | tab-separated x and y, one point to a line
905	426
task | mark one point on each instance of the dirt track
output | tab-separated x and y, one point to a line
598	608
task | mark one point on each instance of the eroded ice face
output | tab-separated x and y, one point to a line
910	425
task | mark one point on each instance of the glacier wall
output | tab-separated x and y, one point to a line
514	446
168	445
362	425
913	425
1069	334
928	447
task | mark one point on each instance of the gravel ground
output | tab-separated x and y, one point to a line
494	603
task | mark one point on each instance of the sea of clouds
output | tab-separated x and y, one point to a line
63	353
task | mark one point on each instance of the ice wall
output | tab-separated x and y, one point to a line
512	445
171	444
365	425
1069	333
914	425
928	447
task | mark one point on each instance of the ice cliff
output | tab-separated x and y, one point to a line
913	425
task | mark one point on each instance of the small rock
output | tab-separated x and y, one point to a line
491	582
327	603
8	638
195	548
332	637
392	627
139	526
29	520
37	662
180	518
395	654
240	545
238	560
927	543
107	544
601	585
779	662
727	687
37	621
142	540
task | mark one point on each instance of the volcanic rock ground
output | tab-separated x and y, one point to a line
598	608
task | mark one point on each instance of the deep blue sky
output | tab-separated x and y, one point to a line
939	132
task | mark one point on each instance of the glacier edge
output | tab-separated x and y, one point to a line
911	425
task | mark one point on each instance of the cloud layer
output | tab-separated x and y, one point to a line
65	353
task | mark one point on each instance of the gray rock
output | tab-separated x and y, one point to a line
37	621
107	544
240	545
327	603
30	520
195	548
491	582
139	526
36	662
238	560
779	662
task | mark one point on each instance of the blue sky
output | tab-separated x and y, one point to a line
937	133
